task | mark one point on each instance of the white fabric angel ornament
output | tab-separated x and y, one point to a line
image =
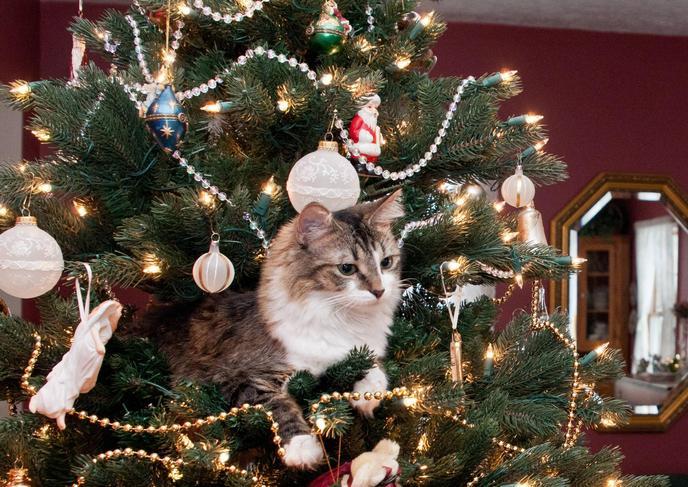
77	372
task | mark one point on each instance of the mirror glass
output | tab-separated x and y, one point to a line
633	291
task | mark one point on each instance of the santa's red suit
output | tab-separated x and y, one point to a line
365	138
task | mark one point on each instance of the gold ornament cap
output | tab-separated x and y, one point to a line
328	145
26	220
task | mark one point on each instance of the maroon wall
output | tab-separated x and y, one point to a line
612	103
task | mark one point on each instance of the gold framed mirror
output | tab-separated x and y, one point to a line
633	290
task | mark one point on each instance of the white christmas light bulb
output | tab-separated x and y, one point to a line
282	105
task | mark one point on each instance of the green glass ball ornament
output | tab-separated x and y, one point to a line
330	30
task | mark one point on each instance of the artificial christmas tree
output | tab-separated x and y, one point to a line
464	405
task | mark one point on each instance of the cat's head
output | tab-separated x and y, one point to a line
351	257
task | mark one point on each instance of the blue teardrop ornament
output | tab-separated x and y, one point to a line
166	121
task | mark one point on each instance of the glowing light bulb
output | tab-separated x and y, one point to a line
530	118
321	424
540	145
100	34
601	349
282	105
499	206
185	442
223	457
508	75
403	62
45	188
21	89
326	79
184	9
270	188
168	56
81	210
460	200
423	443
206	198
151	265
613	483
489	354
426	19
410	402
175	474
519	279
508	236
213	107
608	422
577	262
41	134
4	211
452	266
363	45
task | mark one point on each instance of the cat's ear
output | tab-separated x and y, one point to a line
386	210
313	221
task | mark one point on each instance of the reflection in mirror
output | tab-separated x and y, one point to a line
633	292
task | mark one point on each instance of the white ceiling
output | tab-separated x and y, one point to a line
666	17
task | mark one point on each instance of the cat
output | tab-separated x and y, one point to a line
330	282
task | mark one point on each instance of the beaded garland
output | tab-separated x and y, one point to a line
255	6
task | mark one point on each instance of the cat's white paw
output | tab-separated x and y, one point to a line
303	451
375	380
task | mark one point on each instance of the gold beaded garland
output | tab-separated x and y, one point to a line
172	464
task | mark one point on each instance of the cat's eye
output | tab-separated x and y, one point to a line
346	269
386	263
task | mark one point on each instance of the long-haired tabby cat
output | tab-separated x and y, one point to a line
331	282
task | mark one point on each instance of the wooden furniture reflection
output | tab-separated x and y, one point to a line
603	293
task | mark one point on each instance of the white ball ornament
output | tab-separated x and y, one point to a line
323	176
518	190
30	260
213	272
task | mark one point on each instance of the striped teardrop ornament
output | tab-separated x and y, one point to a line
213	272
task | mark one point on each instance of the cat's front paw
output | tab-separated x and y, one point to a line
303	451
375	380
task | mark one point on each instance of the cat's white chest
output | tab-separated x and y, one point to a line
316	335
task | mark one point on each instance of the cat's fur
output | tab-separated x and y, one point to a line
306	315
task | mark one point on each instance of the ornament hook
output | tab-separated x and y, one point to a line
26	204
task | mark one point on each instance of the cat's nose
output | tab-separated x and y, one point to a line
377	292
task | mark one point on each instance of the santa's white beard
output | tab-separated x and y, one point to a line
370	119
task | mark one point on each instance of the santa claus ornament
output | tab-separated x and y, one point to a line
364	134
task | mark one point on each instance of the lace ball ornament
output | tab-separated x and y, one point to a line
213	272
323	176
518	190
30	260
